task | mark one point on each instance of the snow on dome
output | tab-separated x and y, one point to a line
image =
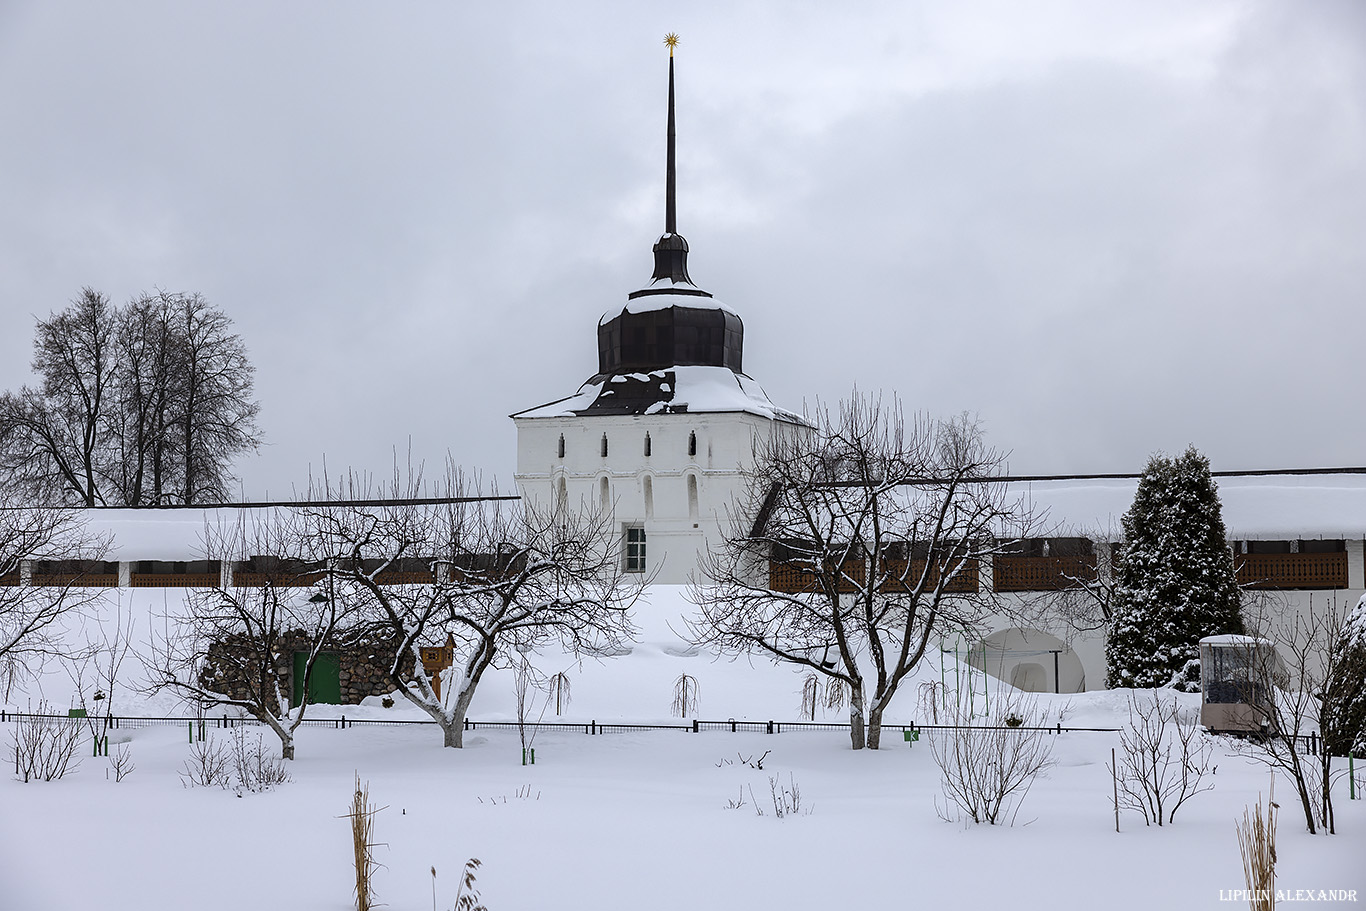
722	389
694	389
647	302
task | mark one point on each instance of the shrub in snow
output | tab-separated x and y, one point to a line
685	696
1176	580
121	763
207	765
241	764
987	771
1163	758
44	745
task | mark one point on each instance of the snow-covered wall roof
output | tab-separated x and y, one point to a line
1255	508
1266	507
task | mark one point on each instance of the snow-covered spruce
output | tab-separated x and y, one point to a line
1176	578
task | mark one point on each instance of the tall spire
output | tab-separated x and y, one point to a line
670	188
671	251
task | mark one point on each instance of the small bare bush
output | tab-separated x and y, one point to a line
987	771
253	767
241	764
207	765
1163	758
811	688
45	746
122	761
685	696
787	798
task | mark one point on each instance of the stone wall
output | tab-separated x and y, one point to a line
364	659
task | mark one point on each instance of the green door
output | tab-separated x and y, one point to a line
324	685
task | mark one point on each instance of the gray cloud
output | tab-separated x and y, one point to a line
1105	230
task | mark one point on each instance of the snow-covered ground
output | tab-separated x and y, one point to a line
636	819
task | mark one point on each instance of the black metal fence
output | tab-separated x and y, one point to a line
592	727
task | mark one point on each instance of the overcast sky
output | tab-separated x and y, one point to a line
1106	229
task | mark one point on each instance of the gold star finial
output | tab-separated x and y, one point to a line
671	40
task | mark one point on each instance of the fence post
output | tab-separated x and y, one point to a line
770	727
191	724
694	725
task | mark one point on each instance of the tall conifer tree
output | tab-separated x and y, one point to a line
1176	577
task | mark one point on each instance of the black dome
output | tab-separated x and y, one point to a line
672	336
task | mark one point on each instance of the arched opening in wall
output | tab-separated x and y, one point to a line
561	447
692	442
605	493
692	496
1029	677
647	444
604	445
1029	660
649	496
562	495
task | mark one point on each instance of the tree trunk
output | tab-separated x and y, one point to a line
287	748
875	726
455	732
856	731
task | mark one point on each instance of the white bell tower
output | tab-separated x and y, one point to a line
665	429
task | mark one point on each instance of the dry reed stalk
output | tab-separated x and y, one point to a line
1257	844
362	818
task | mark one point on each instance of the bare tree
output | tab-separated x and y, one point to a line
215	411
96	668
1311	653
141	417
30	631
51	438
236	645
858	544
144	404
489	571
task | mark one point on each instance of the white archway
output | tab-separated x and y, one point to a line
1030	660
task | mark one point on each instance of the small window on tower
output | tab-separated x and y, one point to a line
692	442
561	450
635	549
647	444
604	445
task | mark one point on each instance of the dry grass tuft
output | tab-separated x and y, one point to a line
362	818
1257	843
